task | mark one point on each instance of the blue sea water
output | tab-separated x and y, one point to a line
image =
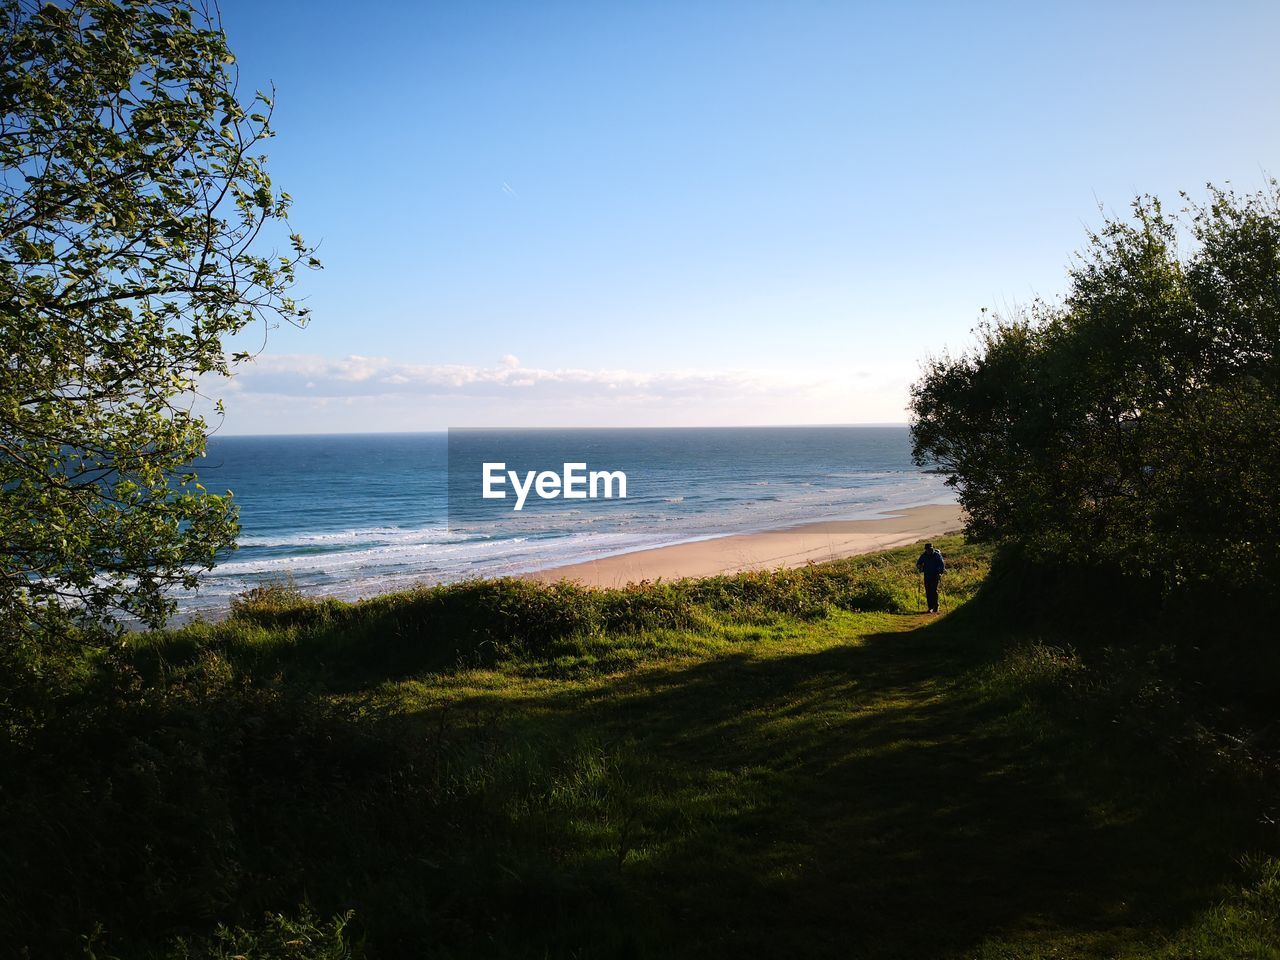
355	515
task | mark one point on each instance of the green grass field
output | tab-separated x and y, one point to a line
783	765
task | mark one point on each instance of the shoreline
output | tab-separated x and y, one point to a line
793	546
719	554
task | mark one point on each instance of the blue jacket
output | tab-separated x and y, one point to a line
931	563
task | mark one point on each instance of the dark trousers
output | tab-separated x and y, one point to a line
931	591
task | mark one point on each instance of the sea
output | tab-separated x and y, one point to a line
359	514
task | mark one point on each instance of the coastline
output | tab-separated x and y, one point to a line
772	549
370	514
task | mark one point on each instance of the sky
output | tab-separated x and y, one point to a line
700	213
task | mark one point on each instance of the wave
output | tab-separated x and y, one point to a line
434	533
373	558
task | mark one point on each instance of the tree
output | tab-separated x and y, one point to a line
1132	425
135	210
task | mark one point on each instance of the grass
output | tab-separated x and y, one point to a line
793	764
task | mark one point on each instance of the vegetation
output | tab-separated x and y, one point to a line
135	210
1079	759
1130	428
782	764
1118	446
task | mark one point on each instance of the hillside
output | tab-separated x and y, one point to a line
792	764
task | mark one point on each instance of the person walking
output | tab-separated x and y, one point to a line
931	565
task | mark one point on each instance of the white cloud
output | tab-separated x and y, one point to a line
294	374
301	393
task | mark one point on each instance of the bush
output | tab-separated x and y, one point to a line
1130	428
278	937
480	622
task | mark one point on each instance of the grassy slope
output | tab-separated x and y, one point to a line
870	784
829	783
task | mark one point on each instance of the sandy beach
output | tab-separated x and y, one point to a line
790	547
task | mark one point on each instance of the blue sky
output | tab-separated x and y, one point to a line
704	213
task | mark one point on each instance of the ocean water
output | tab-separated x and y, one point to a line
356	515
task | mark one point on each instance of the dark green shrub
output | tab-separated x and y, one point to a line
277	937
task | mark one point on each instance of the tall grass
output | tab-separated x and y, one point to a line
222	770
484	622
794	762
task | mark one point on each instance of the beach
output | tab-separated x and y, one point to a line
372	514
792	546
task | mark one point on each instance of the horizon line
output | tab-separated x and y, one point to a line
433	430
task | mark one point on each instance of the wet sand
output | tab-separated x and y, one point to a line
790	547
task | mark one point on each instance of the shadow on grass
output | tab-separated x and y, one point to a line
868	798
865	800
